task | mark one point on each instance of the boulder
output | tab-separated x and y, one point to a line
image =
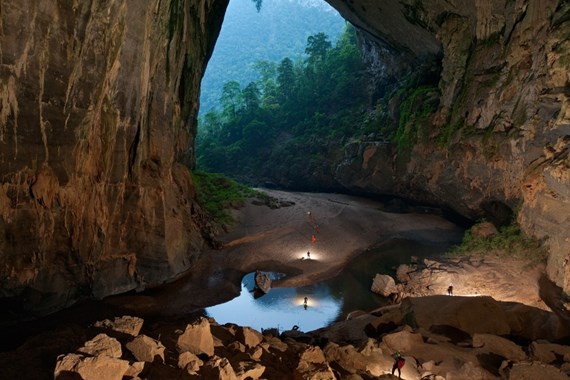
384	285
533	371
146	349
90	368
135	370
249	370
262	281
347	357
313	354
403	340
470	314
218	369
500	346
248	336
125	325
549	352
189	362
102	345
197	338
484	230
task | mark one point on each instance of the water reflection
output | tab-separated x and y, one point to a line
281	307
327	301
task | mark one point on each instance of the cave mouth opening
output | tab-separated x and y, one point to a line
288	115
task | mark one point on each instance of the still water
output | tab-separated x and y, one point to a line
327	301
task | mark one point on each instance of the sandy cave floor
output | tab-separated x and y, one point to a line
278	240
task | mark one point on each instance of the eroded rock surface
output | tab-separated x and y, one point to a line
99	103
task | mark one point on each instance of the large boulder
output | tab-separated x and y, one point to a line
470	314
248	336
90	368
197	338
125	325
499	346
384	285
102	345
218	369
146	349
262	281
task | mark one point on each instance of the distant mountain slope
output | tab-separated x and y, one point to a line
279	30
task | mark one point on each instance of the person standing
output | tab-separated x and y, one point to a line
450	290
399	362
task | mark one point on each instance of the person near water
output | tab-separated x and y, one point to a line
305	303
450	290
308	254
399	362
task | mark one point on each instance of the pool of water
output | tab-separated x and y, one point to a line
327	301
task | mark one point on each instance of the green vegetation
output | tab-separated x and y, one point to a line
279	29
217	194
284	122
509	241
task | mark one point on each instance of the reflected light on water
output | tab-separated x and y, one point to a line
281	308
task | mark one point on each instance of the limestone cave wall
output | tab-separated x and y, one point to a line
504	109
98	104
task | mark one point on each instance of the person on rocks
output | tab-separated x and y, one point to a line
313	239
399	362
450	290
308	254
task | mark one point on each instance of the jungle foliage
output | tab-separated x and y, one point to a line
282	121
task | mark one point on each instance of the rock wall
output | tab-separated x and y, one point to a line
98	111
504	107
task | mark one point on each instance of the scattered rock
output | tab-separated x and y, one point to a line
125	325
384	285
189	362
549	352
500	346
249	370
146	349
263	281
218	368
90	368
248	336
197	338
102	345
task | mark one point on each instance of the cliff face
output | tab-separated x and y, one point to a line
98	107
499	140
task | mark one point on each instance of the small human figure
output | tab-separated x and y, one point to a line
450	290
316	228
399	362
308	254
313	239
310	216
305	303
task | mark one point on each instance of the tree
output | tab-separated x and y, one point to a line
231	99
286	78
251	97
317	48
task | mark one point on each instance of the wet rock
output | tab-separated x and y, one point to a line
197	338
384	285
146	349
102	345
90	368
263	281
125	325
